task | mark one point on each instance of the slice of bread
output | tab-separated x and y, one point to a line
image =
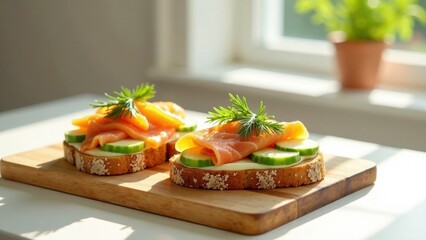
307	172
101	165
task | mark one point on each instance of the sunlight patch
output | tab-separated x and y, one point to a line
93	228
278	81
391	98
346	147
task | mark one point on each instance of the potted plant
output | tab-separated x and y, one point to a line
361	30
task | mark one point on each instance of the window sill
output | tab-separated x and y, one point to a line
385	115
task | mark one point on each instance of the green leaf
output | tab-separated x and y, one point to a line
418	12
405	28
365	19
304	6
122	103
250	123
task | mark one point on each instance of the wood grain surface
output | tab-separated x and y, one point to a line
248	212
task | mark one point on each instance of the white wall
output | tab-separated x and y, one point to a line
51	49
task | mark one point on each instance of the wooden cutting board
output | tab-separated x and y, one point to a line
242	211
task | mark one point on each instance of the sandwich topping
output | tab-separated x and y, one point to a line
243	134
128	115
250	123
225	145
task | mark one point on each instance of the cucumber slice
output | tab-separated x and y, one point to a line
189	126
272	156
124	146
307	147
193	157
75	136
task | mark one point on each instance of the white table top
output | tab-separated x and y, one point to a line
393	208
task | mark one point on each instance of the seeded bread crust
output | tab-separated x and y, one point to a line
307	172
114	165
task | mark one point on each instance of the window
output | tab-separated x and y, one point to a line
274	34
301	26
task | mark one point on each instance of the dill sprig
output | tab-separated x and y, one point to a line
250	123
122	104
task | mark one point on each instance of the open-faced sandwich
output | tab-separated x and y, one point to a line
246	150
126	134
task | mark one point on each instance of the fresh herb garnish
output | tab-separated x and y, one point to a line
123	103
250	123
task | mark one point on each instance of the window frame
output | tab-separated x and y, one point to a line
181	43
400	68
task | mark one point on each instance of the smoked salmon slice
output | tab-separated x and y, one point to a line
227	145
101	133
155	124
102	138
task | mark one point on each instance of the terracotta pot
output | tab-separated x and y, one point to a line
359	63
